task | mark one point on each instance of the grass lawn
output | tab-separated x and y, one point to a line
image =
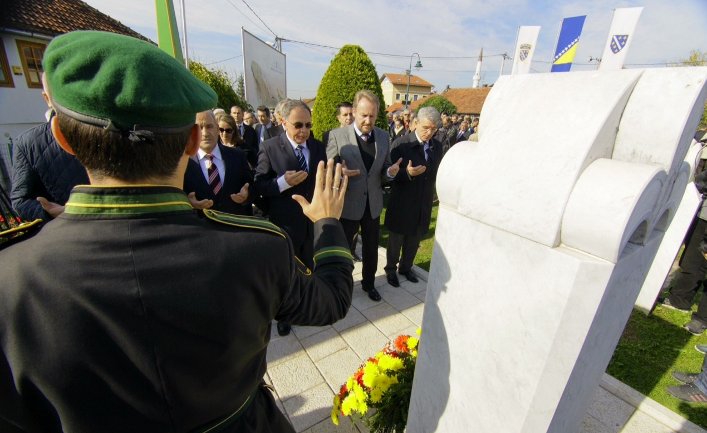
649	350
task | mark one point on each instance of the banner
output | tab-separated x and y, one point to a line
264	69
525	48
621	33
567	43
167	30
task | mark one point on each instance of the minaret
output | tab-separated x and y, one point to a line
477	74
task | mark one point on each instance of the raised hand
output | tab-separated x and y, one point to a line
346	172
415	171
242	195
53	209
395	168
329	192
293	177
199	204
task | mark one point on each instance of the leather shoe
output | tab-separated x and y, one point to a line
392	279
283	328
410	275
372	293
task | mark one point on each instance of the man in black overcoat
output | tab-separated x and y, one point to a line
410	204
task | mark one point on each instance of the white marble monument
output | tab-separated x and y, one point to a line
546	230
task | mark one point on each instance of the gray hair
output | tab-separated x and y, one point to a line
429	113
290	104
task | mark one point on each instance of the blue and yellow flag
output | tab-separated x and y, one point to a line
567	43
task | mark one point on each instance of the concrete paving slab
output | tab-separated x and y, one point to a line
310	407
364	339
337	367
387	319
323	344
642	423
399	298
295	376
282	349
593	425
410	330
414	313
611	410
353	318
305	331
326	426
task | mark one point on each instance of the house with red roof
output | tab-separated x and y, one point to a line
395	87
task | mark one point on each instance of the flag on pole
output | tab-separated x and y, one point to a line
567	43
621	34
167	30
525	48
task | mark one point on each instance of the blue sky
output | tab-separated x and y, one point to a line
453	29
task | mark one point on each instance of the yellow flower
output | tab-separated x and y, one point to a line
390	363
370	372
412	343
382	384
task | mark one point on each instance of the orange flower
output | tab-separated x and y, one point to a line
401	343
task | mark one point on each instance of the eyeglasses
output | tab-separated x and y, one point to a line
226	130
300	125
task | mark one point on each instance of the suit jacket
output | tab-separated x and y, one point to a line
369	184
237	174
465	136
270	132
410	205
251	144
275	158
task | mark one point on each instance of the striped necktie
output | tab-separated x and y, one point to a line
299	152
212	171
428	151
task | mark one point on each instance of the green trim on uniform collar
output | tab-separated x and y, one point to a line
126	201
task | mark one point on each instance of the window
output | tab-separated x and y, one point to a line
31	54
5	75
414	98
397	96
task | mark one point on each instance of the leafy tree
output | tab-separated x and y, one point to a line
698	58
350	71
441	103
220	83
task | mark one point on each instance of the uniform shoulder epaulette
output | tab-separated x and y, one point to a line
242	221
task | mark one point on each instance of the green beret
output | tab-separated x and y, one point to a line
112	80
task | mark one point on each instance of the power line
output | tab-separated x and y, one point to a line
223	60
258	16
246	16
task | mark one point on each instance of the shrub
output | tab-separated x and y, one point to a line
441	103
220	83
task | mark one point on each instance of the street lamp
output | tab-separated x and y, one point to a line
418	65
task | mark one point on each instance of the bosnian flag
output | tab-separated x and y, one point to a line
567	43
623	27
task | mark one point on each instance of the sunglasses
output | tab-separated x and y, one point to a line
228	130
300	125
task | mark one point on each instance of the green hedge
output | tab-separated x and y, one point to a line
441	103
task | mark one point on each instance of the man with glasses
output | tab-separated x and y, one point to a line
287	166
410	205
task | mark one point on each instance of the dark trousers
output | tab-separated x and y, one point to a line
691	277
408	244
370	233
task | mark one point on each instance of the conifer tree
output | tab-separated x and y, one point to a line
350	71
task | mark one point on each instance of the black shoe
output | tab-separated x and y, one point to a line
392	279
410	275
372	293
283	328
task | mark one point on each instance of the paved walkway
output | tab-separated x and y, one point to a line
308	366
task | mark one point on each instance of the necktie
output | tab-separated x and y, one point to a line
428	152
365	137
214	178
242	128
300	157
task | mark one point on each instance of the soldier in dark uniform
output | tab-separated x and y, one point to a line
129	312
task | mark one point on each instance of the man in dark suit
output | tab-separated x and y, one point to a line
217	176
248	134
265	129
287	165
344	114
410	205
363	149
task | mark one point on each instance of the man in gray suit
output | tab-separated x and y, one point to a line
363	149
